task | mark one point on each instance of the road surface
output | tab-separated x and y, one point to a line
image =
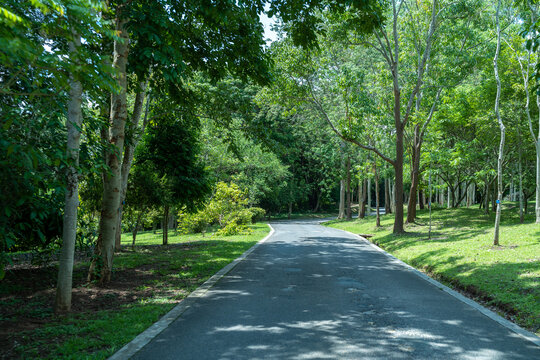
311	292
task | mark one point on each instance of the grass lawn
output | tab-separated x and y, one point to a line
460	254
148	281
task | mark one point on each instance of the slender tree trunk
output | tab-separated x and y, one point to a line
415	175
166	225
368	197
290	204
520	170
387	200
377	204
318	201
129	152
393	197
502	128
364	197
102	263
486	205
537	204
360	197
73	126
136	229
422	199
341	214
348	192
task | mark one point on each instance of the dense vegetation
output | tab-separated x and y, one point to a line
179	116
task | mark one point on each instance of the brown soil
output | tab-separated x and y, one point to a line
27	298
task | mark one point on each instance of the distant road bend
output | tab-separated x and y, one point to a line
312	292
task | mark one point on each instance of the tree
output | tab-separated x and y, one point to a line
501	126
171	150
156	36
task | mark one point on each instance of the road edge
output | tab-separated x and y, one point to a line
155	329
527	335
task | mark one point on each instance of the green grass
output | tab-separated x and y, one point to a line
175	271
460	253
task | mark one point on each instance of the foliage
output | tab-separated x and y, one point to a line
34	69
228	208
172	173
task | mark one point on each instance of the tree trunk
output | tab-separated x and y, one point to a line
102	263
398	168
136	229
378	217
537	204
364	199
166	225
290	204
348	190
486	204
318	202
360	197
422	199
520	172
73	126
386	196
341	214
415	175
369	197
129	152
502	128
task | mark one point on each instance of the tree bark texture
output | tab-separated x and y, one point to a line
102	263
398	168
341	214
129	152
377	204
69	234
348	209
166	225
502	128
368	197
364	197
415	175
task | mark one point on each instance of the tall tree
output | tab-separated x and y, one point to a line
173	39
501	126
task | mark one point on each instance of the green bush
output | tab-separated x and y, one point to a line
257	214
227	208
193	223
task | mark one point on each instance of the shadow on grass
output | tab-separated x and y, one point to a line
147	281
513	287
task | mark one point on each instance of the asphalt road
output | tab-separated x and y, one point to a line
312	292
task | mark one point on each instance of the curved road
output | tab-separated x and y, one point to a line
311	292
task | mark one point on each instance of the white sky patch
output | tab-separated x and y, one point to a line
267	22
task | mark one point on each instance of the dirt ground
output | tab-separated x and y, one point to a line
27	298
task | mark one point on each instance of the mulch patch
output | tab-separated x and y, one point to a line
27	295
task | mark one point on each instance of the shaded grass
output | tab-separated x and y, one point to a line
460	253
168	274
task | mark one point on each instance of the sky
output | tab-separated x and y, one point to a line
267	23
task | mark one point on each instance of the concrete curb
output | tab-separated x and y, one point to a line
146	336
490	314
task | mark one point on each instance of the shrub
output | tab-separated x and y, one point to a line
257	214
193	223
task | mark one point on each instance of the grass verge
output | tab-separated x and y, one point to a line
460	254
148	282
